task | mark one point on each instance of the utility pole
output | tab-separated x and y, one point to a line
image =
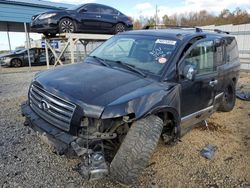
156	16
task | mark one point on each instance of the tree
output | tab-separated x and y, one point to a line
151	22
137	24
166	20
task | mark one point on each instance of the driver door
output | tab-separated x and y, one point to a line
198	93
90	18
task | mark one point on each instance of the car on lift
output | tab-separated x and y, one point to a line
20	58
138	86
86	18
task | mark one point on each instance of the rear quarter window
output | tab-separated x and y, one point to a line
231	50
108	10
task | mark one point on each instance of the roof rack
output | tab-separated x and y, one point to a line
216	30
197	29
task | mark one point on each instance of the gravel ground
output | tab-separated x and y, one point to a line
26	162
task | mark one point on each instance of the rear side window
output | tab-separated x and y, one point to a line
202	57
108	10
220	54
231	49
92	9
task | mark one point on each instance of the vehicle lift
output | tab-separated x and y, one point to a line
71	40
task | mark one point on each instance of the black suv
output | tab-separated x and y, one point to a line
137	86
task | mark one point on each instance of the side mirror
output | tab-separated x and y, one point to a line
189	72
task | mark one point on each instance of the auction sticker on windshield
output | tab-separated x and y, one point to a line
163	41
162	60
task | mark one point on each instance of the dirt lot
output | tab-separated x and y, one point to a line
26	162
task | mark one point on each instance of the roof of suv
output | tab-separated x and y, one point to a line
178	34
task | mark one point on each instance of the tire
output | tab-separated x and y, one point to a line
16	62
52	60
136	149
229	98
66	25
120	28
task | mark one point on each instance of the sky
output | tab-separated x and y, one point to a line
137	8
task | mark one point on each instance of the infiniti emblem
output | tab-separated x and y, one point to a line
44	105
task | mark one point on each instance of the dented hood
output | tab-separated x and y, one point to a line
95	87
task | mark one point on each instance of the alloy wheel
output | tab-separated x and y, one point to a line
120	28
67	26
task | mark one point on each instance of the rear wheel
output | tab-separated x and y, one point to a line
52	60
120	28
16	63
66	25
229	98
136	149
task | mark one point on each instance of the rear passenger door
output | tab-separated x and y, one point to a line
108	17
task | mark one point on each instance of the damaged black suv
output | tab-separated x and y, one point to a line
136	87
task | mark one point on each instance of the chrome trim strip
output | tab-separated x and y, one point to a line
59	112
196	113
37	101
56	122
219	95
53	100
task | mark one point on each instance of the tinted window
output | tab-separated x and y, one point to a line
92	9
202	57
231	49
220	52
108	10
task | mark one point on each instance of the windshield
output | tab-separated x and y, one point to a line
147	53
21	51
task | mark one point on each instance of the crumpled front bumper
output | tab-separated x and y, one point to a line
62	141
53	136
5	62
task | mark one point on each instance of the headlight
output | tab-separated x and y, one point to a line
45	16
2	58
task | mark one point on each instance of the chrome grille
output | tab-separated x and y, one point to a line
51	108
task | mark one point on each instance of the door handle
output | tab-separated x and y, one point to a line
98	16
212	83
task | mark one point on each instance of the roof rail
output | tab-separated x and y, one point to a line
217	31
197	29
166	26
220	31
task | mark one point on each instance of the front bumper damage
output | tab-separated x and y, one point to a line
93	165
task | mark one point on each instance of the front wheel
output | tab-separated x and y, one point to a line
136	149
16	63
229	98
67	25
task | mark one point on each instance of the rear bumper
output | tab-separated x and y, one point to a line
59	139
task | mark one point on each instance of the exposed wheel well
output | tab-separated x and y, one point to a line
234	80
171	131
165	116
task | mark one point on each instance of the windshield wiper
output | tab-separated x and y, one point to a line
131	67
100	60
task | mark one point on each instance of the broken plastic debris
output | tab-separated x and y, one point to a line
208	151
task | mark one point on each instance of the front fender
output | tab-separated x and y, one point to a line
146	104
